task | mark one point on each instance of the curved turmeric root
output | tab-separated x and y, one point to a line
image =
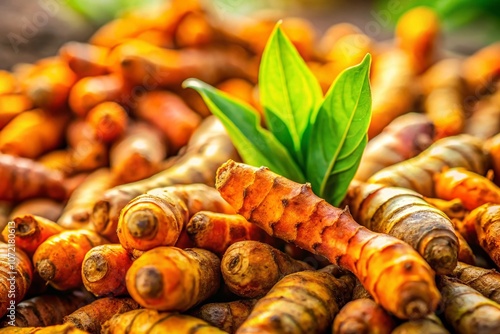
42	182
251	268
55	329
16	275
85	60
30	231
172	279
405	215
392	272
226	316
76	213
41	207
363	316
208	148
417	173
154	322
46	310
158	217
485	281
91	317
472	189
217	231
466	310
62	269
104	268
108	120
303	302
402	139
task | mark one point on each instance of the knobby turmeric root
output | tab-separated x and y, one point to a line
104	268
303	302
30	231
392	272
59	259
47	310
154	322
91	317
404	214
226	316
41	207
485	281
417	173
208	148
487	223
466	310
430	324
251	268
172	279
158	217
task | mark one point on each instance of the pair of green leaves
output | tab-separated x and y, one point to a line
309	138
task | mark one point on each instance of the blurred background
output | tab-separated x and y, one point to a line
33	29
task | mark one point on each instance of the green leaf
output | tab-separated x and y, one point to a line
289	92
256	145
338	135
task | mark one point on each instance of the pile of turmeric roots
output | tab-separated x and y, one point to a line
125	207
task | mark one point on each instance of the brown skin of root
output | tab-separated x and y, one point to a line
487	226
486	281
91	317
363	316
420	326
95	268
149	282
46	269
142	224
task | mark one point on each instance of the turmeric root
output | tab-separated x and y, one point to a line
108	120
465	253
104	268
391	271
91	317
22	178
303	302
487	225
172	279
417	33
402	139
153	322
32	133
85	60
16	274
62	269
217	231
42	207
363	316
48	83
30	231
472	189
485	120
444	102
90	91
430	324
208	148
226	316
5	209
12	105
405	215
158	217
76	213
138	154
485	281
46	310
417	173
392	94
251	268
162	109
466	310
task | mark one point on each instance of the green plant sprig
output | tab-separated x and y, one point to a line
309	138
